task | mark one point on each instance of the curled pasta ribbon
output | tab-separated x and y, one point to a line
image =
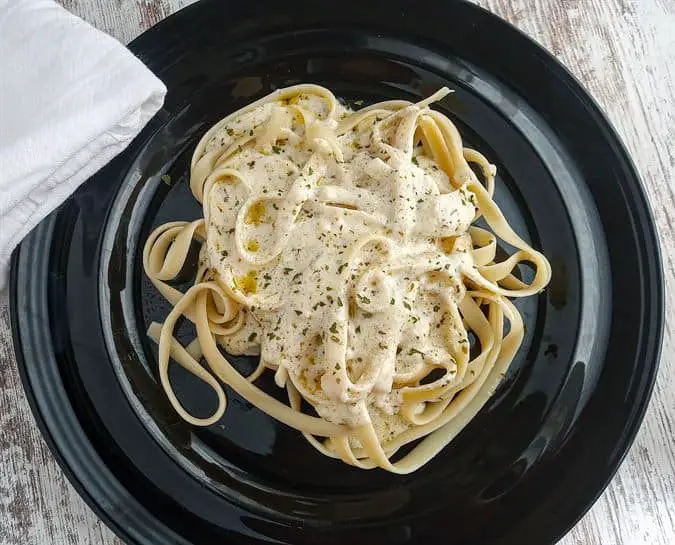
165	252
189	363
445	143
289	208
197	298
204	162
442	421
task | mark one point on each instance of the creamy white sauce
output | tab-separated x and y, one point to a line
343	320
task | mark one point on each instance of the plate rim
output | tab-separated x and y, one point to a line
648	229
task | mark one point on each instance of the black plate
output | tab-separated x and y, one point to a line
536	456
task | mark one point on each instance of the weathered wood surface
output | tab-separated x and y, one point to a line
624	52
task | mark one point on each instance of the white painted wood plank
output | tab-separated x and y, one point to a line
624	52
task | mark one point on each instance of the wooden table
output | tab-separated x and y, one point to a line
624	52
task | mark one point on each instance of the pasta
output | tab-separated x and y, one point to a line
341	247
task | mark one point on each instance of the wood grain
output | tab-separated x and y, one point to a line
624	52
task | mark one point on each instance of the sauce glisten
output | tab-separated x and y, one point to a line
346	255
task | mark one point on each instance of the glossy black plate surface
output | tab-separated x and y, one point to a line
539	452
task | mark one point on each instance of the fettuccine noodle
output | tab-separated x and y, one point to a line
339	246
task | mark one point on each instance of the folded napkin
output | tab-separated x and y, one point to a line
71	98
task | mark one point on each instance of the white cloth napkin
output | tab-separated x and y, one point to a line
71	98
